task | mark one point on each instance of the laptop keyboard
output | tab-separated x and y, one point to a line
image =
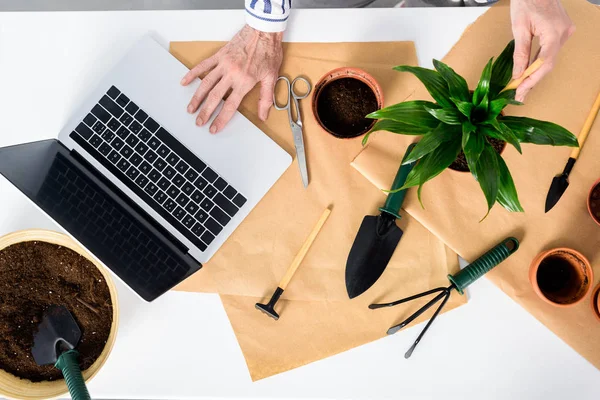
177	184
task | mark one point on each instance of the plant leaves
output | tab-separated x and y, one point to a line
507	192
506	134
530	130
465	107
409	112
483	87
432	141
487	175
433	81
400	127
432	164
502	70
457	85
472	145
481	110
509	95
496	107
450	116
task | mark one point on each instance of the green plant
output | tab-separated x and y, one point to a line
461	120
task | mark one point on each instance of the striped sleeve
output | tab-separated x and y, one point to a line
268	15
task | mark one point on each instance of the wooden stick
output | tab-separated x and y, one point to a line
304	249
587	126
530	70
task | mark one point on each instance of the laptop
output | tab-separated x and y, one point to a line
135	181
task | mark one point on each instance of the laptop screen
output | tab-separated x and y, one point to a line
89	210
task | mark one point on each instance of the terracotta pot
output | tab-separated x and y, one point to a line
561	277
591	200
346	72
17	388
595	303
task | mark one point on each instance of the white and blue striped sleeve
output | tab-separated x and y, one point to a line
268	15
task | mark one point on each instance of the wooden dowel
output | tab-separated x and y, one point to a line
530	70
304	249
587	126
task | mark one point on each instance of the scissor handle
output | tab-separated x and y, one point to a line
286	106
295	93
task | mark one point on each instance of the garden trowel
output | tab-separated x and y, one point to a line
55	343
377	238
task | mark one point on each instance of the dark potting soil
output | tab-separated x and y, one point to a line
460	164
343	104
560	277
35	275
595	203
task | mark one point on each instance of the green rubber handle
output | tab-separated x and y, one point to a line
484	264
394	200
68	364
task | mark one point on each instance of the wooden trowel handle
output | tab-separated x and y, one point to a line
304	249
587	126
530	70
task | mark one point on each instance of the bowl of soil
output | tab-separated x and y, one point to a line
342	99
561	277
40	268
593	202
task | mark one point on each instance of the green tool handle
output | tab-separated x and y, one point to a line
484	264
68	364
394	200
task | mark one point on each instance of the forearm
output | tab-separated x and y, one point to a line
268	15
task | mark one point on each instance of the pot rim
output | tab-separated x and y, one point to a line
589	198
14	387
535	266
595	302
346	72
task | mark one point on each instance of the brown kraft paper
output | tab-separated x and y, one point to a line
454	203
317	319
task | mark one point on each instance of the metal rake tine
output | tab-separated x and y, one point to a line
415	315
435	314
404	300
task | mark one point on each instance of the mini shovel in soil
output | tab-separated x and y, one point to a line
460	281
377	238
55	343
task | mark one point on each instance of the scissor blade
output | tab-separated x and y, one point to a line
300	153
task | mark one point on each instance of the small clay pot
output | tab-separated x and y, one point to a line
341	73
595	303
593	202
561	277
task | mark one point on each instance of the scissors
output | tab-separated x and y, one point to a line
296	124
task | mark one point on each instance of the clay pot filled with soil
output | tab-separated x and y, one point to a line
593	202
561	277
342	99
41	268
596	302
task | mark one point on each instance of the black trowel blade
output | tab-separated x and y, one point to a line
560	183
57	332
373	248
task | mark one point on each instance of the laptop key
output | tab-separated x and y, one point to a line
154	175
210	191
207	237
123	165
126	151
114	125
172	159
173	192
163	150
96	141
220	184
188	188
197	197
101	113
170	205
145	135
132	108
192	208
151	125
209	175
84	131
189	221
239	200
98	127
123	132
201	183
122	100
207	204
160	197
90	120
154	143
111	106
140	115
160	164
135	127
142	181
132	140
145	167
114	157
220	216
226	205
164	183
150	156
151	188
190	158
136	159
230	192
179	213
198	229
113	92
213	226
182	200
108	135
133	173
169	172
126	119
141	148
178	180
201	216
117	143
181	167
105	149
191	175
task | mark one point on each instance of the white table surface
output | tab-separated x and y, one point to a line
182	345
